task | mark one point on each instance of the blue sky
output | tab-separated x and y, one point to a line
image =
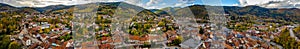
230	2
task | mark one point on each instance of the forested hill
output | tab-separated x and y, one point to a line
199	11
288	14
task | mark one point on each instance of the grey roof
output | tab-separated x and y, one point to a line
191	43
157	45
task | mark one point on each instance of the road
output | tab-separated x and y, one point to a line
25	33
279	46
293	35
33	39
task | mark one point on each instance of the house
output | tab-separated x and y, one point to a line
12	39
157	46
117	39
191	43
106	39
171	48
138	38
28	42
236	43
56	29
199	37
33	46
44	37
206	44
68	45
156	38
227	46
45	26
105	46
45	45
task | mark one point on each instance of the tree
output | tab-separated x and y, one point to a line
1	26
14	45
41	31
134	32
47	30
146	44
161	24
106	21
147	26
177	41
99	17
52	27
272	29
297	29
134	18
66	37
170	28
71	17
4	42
201	30
286	41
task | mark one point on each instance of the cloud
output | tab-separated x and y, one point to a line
149	4
235	4
133	1
257	2
271	3
43	3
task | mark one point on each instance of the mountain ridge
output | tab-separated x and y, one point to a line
199	11
42	9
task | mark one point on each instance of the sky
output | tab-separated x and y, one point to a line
272	3
157	4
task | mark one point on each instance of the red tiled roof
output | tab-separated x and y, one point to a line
103	38
117	39
33	46
46	45
25	38
43	35
105	46
206	44
236	42
228	46
138	38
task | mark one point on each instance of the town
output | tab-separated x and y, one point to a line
101	29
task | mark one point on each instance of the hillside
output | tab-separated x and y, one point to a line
199	11
82	7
